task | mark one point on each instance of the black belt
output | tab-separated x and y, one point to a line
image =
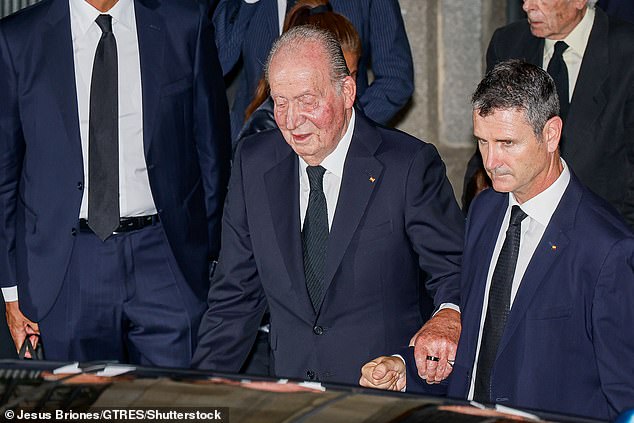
126	224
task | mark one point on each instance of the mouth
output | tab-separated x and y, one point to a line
300	137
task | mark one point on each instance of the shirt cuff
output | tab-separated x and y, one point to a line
10	294
450	306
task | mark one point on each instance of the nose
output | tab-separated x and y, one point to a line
293	116
528	5
489	157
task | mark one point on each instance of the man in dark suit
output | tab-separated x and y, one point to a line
114	163
245	31
598	112
329	220
547	278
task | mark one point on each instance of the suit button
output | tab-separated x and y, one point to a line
310	374
318	330
80	185
73	232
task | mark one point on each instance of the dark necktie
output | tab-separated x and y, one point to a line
499	305
315	235
559	71
103	136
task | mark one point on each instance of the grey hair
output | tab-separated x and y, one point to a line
517	85
591	3
296	37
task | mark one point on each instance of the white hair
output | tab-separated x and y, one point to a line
592	3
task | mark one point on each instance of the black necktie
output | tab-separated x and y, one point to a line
315	235
499	305
103	135
559	71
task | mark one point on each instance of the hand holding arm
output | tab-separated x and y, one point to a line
437	338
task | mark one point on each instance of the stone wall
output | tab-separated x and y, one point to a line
448	40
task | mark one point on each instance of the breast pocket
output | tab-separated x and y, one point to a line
550	313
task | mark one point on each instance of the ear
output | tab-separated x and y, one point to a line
349	91
580	4
551	134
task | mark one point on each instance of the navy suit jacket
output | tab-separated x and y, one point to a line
396	214
568	342
247	31
185	136
598	137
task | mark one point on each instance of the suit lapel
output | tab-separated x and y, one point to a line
151	43
475	287
588	98
60	68
552	245
535	51
361	174
282	189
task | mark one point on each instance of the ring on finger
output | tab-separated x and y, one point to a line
451	362
433	358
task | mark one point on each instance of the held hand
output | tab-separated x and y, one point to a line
386	373
435	345
19	326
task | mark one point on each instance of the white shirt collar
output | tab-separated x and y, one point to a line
541	207
577	40
334	162
83	14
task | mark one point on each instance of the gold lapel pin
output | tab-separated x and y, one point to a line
372	179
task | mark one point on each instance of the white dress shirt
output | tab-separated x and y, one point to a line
539	210
577	41
135	197
333	164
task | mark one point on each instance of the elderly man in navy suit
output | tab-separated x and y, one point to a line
329	220
547	277
114	147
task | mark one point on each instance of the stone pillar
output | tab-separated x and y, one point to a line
448	40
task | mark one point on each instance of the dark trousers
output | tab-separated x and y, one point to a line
123	299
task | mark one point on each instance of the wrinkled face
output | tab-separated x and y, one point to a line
310	111
514	158
554	19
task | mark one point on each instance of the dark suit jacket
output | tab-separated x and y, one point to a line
622	9
185	135
598	136
568	345
396	214
247	31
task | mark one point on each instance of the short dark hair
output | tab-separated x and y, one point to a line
302	34
517	85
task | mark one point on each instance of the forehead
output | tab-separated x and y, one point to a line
500	123
296	66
